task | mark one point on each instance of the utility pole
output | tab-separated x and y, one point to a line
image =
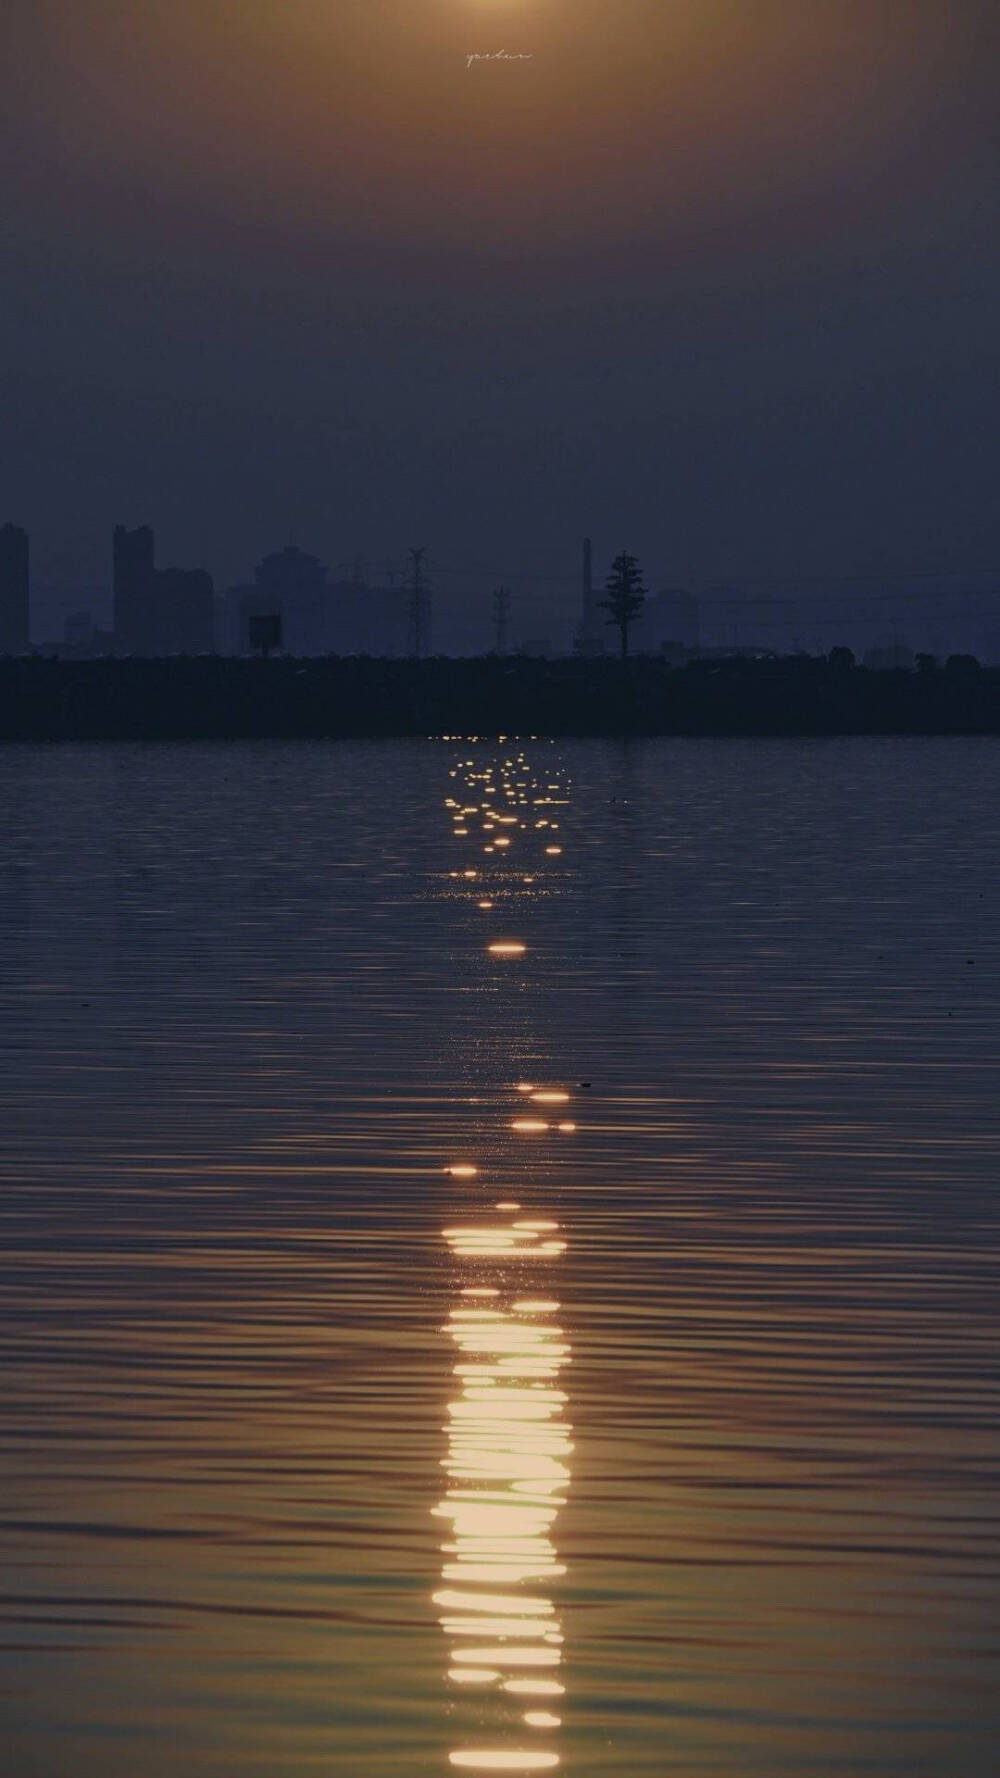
420	606
501	618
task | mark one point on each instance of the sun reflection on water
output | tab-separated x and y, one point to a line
508	1468
508	1437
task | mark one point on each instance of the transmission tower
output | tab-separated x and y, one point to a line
501	618
420	606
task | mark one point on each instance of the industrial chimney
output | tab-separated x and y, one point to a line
588	639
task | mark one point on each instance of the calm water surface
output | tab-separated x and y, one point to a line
419	1358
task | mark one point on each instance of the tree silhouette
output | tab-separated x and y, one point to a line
626	595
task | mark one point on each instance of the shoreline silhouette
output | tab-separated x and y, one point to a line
215	697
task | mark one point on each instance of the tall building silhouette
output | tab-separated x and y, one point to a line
291	584
134	570
15	590
316	615
159	611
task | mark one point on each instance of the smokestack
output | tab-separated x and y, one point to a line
588	592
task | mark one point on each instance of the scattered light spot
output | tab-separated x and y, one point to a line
546	1096
463	1171
507	947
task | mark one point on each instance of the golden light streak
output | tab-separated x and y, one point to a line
509	1450
506	1762
535	1688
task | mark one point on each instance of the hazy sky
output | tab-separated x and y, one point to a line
717	280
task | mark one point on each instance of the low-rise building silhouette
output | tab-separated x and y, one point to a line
668	623
79	631
82	639
363	619
182	617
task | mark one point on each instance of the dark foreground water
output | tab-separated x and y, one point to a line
664	1443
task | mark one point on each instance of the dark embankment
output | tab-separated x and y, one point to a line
214	697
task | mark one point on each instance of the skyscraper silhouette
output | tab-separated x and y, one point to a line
15	591
133	588
292	585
